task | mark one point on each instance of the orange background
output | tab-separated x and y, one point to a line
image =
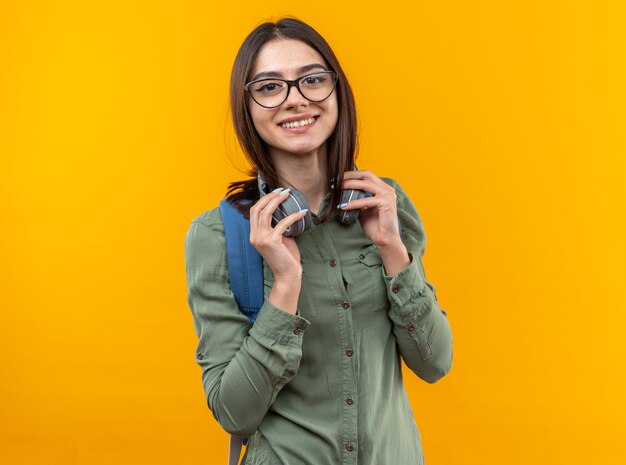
504	121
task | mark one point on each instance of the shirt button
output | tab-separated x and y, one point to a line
297	331
349	447
333	263
395	289
349	401
361	257
345	304
200	356
349	352
411	327
316	221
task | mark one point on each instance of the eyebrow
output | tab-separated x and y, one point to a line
278	74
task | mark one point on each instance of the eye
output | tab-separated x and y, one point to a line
268	87
314	80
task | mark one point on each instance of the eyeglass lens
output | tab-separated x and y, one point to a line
273	92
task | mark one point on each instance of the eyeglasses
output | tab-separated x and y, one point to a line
272	93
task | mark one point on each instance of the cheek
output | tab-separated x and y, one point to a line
333	114
261	119
333	106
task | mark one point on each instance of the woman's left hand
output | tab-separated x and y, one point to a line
378	216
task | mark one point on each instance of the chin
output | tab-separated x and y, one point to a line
299	146
300	149
303	148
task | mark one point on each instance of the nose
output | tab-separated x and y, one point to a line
295	98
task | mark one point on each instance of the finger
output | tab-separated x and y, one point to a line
359	174
267	198
361	184
351	174
365	202
283	224
260	205
366	181
265	215
264	200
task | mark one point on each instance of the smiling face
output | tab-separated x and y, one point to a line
297	126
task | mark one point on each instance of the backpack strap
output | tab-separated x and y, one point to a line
245	270
235	449
245	264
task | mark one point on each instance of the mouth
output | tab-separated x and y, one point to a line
298	124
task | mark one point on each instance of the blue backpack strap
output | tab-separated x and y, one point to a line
245	264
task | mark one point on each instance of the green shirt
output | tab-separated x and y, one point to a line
324	386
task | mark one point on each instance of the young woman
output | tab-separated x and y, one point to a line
316	379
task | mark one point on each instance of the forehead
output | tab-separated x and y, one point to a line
284	55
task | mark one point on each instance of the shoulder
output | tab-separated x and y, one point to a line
205	234
211	219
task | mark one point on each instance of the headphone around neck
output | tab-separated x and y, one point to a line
296	201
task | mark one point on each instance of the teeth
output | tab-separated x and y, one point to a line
297	124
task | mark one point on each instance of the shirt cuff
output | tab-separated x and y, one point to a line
406	285
277	325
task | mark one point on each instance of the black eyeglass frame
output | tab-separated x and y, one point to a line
290	84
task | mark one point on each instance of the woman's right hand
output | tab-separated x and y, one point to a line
281	253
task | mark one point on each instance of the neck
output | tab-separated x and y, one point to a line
306	172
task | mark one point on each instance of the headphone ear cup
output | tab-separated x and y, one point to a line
347	195
294	202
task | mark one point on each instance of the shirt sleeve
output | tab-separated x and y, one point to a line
421	327
244	365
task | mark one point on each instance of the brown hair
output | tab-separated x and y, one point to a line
342	143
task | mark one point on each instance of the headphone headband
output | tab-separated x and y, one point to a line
262	184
